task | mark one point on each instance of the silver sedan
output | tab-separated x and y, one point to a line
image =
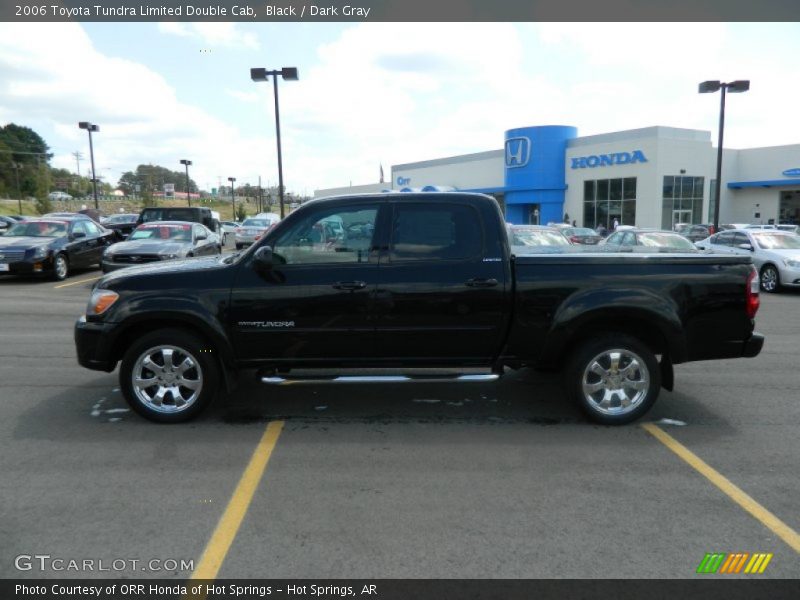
250	231
776	254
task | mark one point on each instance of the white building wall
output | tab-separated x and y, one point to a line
476	171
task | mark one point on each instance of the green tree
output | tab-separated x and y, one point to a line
241	212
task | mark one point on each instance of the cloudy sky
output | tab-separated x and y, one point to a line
378	93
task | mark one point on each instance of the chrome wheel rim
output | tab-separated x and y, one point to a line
167	379
615	382
61	267
769	279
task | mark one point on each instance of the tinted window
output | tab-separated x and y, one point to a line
615	238
91	228
723	239
314	240
442	232
740	238
80	227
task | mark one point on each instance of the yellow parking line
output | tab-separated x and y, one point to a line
767	519
228	526
60	285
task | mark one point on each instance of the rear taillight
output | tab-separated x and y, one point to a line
574	239
752	301
239	230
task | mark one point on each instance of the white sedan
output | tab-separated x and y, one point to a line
776	254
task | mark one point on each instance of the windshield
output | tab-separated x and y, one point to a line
255	223
777	241
174	233
665	240
38	229
537	237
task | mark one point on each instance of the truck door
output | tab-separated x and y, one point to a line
440	295
316	302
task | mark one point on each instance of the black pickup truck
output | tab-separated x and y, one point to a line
413	281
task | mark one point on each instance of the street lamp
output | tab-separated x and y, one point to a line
709	87
90	127
233	196
17	166
289	74
186	163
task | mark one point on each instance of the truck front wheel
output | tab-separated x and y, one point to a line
614	378
168	376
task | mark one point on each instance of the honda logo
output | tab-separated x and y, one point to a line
518	152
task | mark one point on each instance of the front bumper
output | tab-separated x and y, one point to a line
93	343
790	276
28	266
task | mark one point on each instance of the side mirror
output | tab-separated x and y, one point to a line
746	247
78	235
262	260
201	236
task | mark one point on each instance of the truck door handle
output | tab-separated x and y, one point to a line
349	285
481	283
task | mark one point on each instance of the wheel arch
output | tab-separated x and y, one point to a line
218	345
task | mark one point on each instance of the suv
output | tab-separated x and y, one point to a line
193	214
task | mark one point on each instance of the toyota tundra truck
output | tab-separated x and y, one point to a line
410	283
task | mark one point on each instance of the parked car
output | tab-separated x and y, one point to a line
664	241
52	246
251	230
729	226
776	254
159	241
59	196
789	227
227	228
272	217
760	226
535	235
695	233
123	224
426	280
582	235
190	214
5	223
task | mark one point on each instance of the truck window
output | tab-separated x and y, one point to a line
342	235
443	232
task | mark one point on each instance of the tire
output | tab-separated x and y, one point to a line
158	402
770	279
604	393
60	267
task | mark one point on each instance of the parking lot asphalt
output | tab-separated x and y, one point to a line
369	481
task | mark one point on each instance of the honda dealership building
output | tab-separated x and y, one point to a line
651	177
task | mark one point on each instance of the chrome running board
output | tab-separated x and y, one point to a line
477	378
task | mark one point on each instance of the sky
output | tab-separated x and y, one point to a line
372	94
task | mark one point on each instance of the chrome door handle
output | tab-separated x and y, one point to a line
482	283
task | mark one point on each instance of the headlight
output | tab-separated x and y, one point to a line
100	301
40	252
792	262
168	256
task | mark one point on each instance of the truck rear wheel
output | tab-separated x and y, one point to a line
168	376
614	378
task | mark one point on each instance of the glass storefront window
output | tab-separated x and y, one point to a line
682	196
629	188
609	199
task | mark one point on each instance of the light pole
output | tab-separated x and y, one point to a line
90	127
289	74
17	166
233	197
709	87
186	164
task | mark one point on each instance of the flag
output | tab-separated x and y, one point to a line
381	181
